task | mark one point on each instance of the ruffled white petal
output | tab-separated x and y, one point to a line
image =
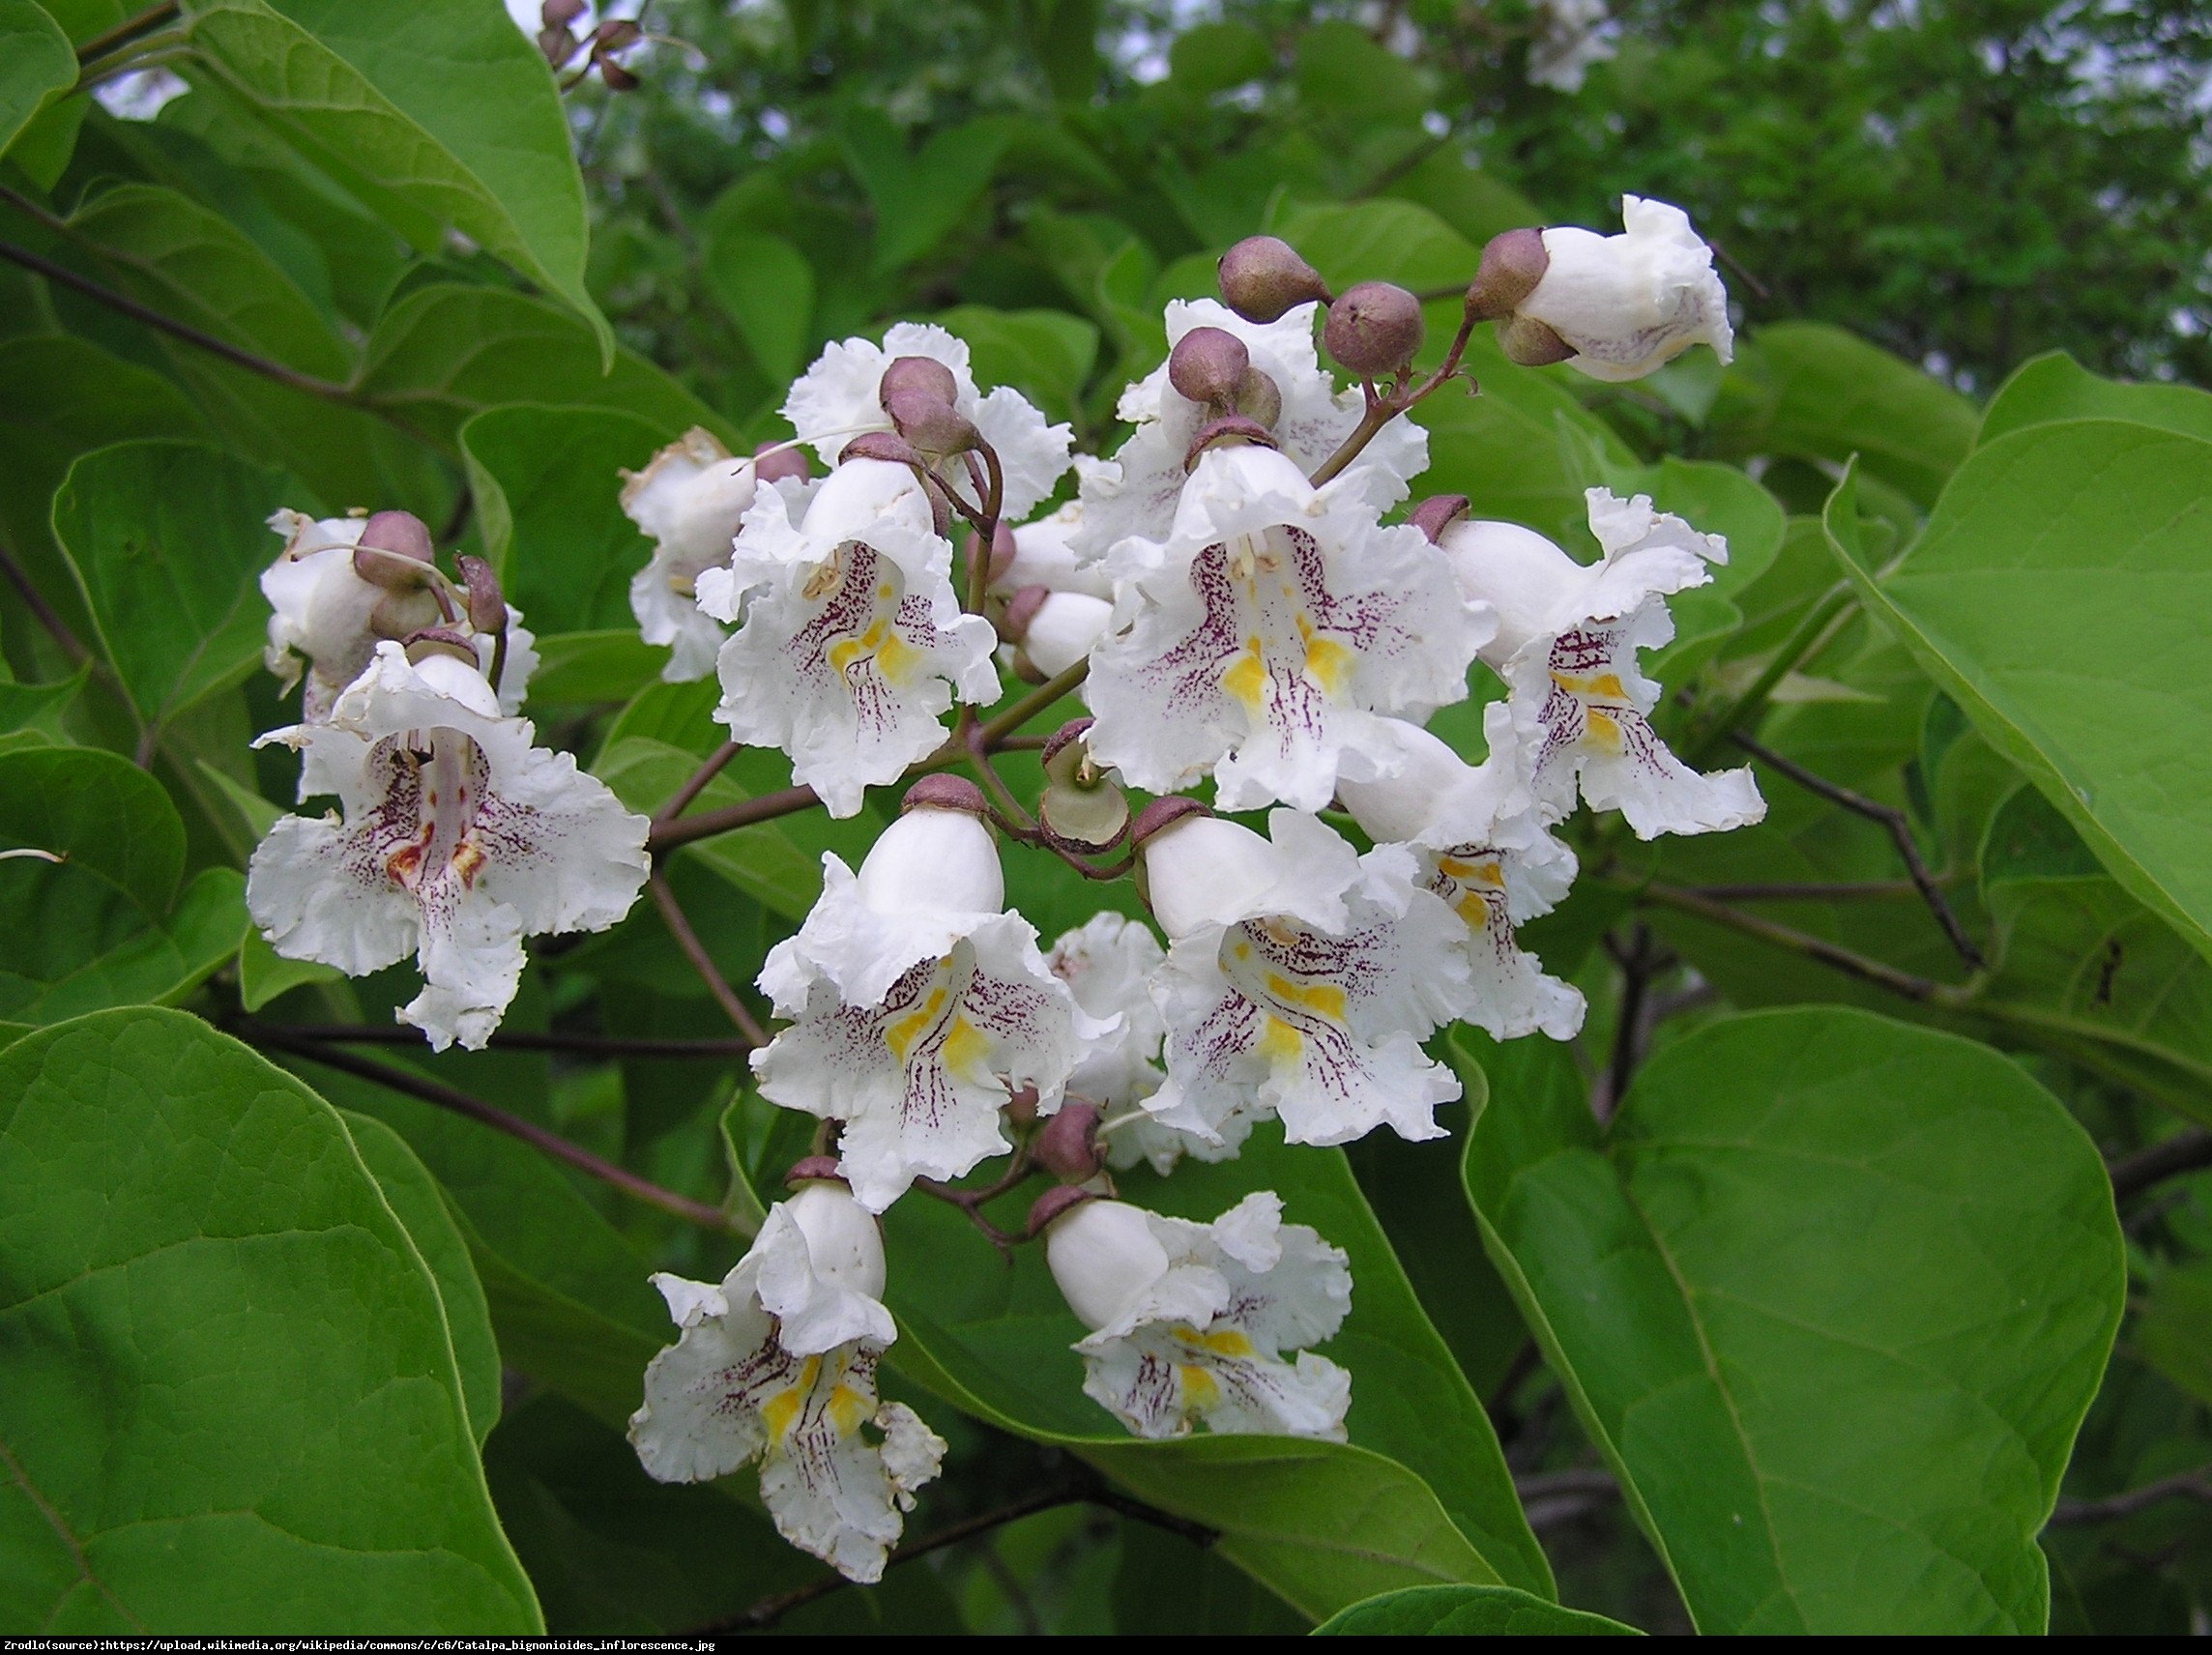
1630	302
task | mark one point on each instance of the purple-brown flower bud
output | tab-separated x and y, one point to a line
1438	513
776	462
1259	398
941	792
560	13
931	423
1374	329
617	77
813	1168
1512	264
393	550
487	609
617	34
1262	277
1531	344
1068	1146
925	375
1208	365
1020	609
1052	1205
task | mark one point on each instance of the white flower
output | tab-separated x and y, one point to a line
838	395
1064	630
459	838
852	645
1567	44
1108	963
1135	492
1630	302
1188	1321
1045	555
1567	643
1300	979
779	1364
1481	848
322	615
688	501
917	1007
1268	633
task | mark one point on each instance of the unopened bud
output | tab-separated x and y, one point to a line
487	609
557	45
392	551
813	1168
617	77
560	13
1262	277
1054	1203
1068	1146
1512	264
1259	398
439	641
925	375
1438	513
1374	329
1004	549
402	614
1021	1106
931	423
617	34
896	449
1531	344
941	792
1228	430
1208	365
1020	609
779	462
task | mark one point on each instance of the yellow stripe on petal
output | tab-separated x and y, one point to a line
1198	1387
1247	677
1280	1043
1330	664
902	1033
781	1410
966	1051
1325	997
848	1410
1227	1341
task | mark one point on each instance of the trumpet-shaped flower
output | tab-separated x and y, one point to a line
1630	303
1567	646
1189	1322
918	1008
1300	982
1136	491
1269	632
777	1364
841	394
852	645
1480	847
688	501
325	620
459	838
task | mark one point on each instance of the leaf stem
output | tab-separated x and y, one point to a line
1903	983
696	783
41	610
513	1126
516	1040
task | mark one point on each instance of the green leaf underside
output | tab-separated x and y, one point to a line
1421	1494
36	63
1463	1611
230	1401
1838	1365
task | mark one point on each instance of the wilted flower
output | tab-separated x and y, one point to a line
1628	304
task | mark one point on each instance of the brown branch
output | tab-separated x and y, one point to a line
972	1202
999	726
191	335
669	835
2194	1485
695	784
1552	1497
694	951
2187	1151
41	610
1796	942
1808	890
1893	822
512	1040
530	1132
127	31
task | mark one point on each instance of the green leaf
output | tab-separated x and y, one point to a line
1473	202
2056	596
264	975
917	196
1462	1611
204	1285
1832	1301
1810	389
445	352
166	540
39	707
105	815
1045	355
415	1198
548	495
1214	57
760	861
766	287
2055	386
36	64
1321	1525
435	113
609	665
2173	1334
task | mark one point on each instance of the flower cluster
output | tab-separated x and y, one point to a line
1249	611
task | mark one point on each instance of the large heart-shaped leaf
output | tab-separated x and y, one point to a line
2056	387
230	1403
1836	1354
36	65
1466	1612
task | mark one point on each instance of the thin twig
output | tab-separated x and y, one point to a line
702	961
41	610
1550	1497
1382	409
169	325
129	29
2194	1485
514	1040
476	1109
1640	961
696	783
1796	942
1893	822
1808	890
1000	725
1813	633
2187	1151
667	836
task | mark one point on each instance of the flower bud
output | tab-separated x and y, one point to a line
779	462
487	609
401	615
1051	1205
1201	870
392	551
809	1168
1020	609
1531	344
1068	1146
1438	513
617	77
1103	1255
934	858
1208	365
1374	329
1623	306
1259	398
1021	1106
1262	277
560	13
933	425
557	46
617	34
1512	264
1063	629
843	1241
943	792
921	376
1229	429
